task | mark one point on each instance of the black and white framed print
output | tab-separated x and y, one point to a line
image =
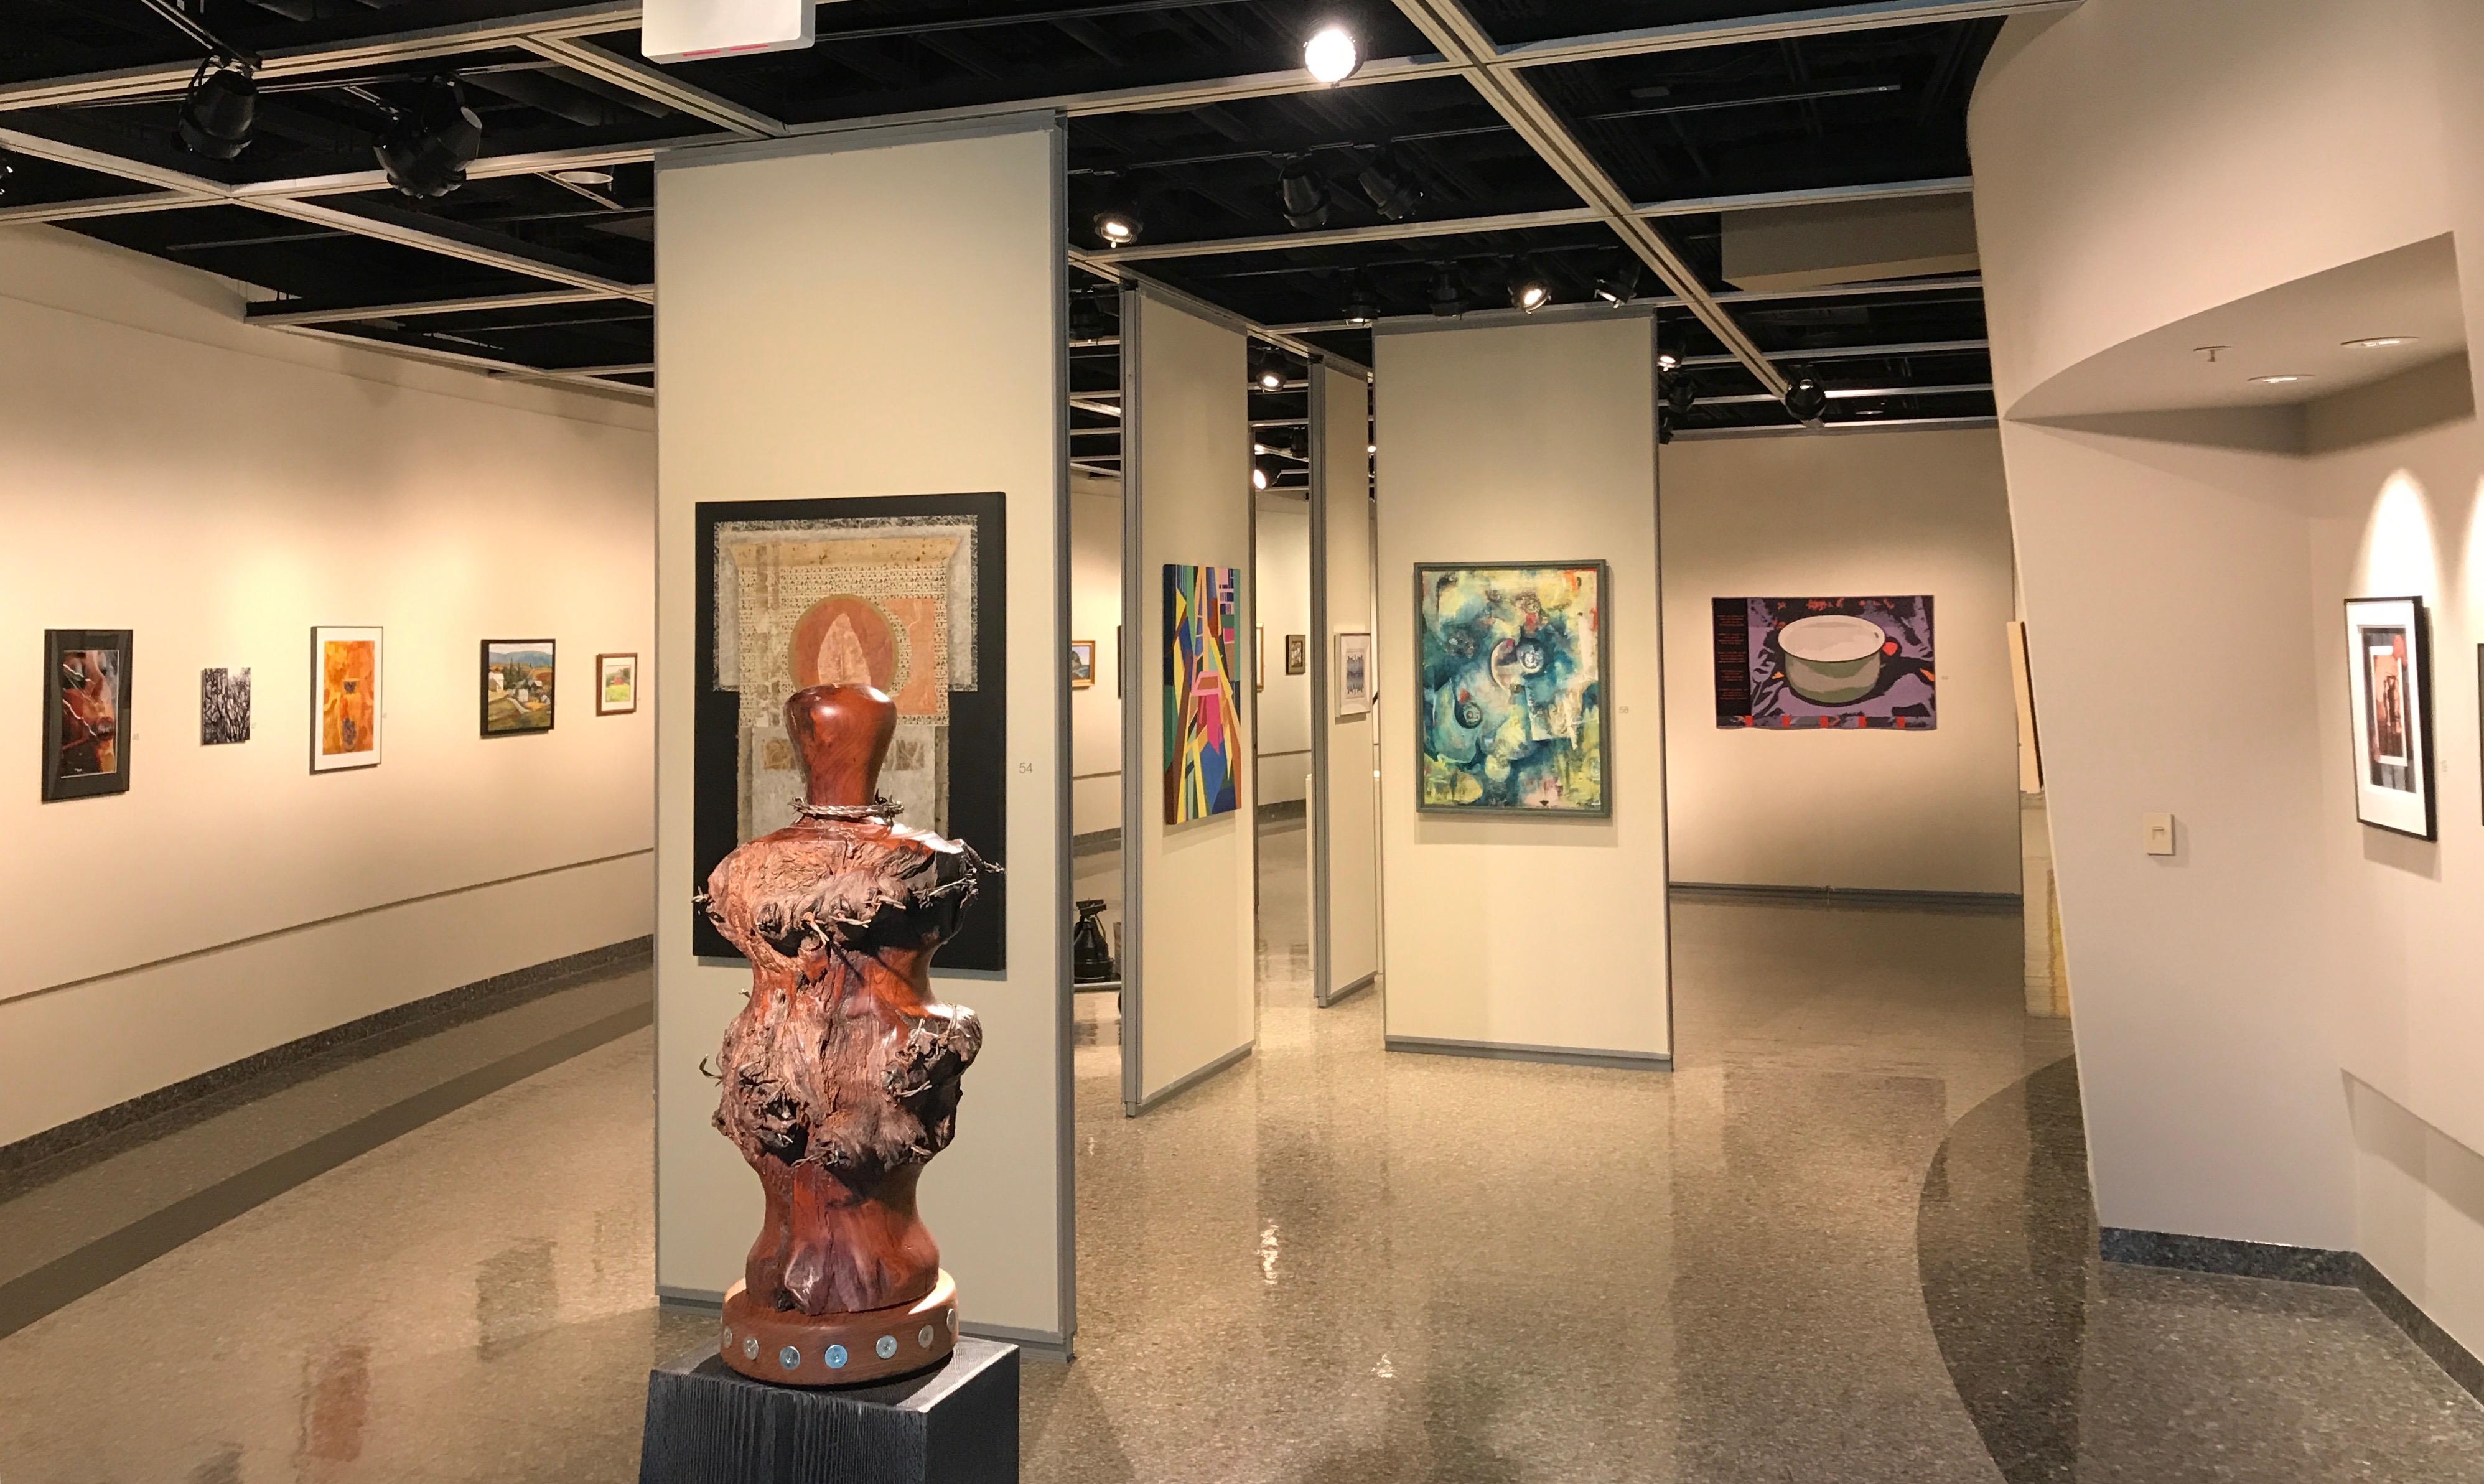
2389	681
224	706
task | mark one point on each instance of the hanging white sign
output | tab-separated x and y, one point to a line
690	30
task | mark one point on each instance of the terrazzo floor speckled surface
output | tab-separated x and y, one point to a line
1840	1242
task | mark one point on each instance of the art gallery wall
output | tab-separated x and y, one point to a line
965	397
1346	878
218	489
1525	443
1095	613
2278	1034
1284	588
1189	888
1900	512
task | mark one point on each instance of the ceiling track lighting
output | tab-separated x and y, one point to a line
427	148
1385	185
1621	286
6	171
1118	223
1304	192
1680	393
1270	376
1529	289
1330	55
1361	301
1807	401
1258	474
1449	295
219	110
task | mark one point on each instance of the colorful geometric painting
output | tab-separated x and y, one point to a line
345	664
1814	664
1513	701
1202	728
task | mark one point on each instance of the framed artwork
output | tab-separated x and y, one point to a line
1082	663
1354	686
1117	666
1259	656
86	712
904	593
224	707
1512	703
518	676
2389	680
1203	727
616	685
1825	663
1298	652
347	668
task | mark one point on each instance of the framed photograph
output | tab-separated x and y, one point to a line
224	707
1354	689
616	685
86	712
2389	681
1082	663
347	668
1298	652
1786	664
1202	708
1510	712
517	687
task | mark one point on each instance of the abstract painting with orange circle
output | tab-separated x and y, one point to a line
345	664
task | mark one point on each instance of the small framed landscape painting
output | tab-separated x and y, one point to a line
1298	652
517	687
346	672
86	714
2388	679
616	685
224	707
1353	675
1082	663
1510	719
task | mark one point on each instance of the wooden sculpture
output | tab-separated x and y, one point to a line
841	1074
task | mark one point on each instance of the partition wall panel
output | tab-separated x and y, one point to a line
775	263
1508	934
1345	803
1189	1001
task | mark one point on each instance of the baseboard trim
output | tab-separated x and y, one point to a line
1185	1082
1356	987
1283	810
1038	1344
2325	1267
1507	1051
1096	842
81	1140
1850	896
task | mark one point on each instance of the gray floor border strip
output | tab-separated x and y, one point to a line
1188	1080
74	1275
2328	1267
1502	1051
1355	988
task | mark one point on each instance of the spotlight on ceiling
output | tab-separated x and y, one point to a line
1271	374
1118	222
1667	361
1681	392
1807	401
1529	289
1387	186
1448	294
1304	191
1087	318
1259	476
1361	301
427	148
218	111
1330	55
1621	286
6	171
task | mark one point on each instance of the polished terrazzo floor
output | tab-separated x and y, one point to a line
1846	1240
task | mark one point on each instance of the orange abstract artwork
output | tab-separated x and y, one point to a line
349	698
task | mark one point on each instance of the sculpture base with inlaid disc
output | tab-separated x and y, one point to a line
797	1349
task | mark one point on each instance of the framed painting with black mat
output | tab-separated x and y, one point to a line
2388	685
904	593
86	717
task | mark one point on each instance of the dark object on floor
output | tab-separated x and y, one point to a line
954	1426
841	1075
1091	959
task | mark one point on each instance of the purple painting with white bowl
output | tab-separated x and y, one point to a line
1825	663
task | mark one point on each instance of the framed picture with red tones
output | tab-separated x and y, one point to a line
86	712
2388	683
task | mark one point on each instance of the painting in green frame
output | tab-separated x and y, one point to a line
1202	728
1512	700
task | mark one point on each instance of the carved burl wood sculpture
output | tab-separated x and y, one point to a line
841	1074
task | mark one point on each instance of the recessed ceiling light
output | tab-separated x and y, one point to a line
1332	55
2380	341
582	176
2282	378
1667	360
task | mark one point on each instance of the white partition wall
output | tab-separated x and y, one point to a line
776	267
1188	1001
1504	935
1345	793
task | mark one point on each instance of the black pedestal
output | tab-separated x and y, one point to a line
955	1424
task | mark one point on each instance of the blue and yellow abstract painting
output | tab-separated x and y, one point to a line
1513	698
1203	727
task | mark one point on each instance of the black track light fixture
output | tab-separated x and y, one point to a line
1385	184
1260	479
1807	401
6	171
1621	286
1304	191
1269	375
1087	318
1361	301
218	110
1448	293
1118	222
1680	394
426	148
1531	288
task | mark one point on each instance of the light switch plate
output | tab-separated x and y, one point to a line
2159	830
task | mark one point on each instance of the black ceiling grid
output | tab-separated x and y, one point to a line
1217	115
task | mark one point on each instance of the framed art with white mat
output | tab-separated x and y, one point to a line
2390	685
